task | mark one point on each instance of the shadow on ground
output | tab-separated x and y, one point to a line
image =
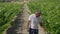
16	25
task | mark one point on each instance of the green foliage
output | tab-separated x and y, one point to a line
50	10
7	13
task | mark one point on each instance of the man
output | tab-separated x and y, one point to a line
33	22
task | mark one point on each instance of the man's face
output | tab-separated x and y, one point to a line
37	14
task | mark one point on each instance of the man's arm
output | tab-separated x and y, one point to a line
28	25
29	20
41	24
42	27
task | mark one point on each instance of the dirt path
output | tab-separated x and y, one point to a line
18	25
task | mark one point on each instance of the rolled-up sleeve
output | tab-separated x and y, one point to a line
29	18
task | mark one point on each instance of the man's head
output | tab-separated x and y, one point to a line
38	13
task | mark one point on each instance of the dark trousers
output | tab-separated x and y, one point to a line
33	31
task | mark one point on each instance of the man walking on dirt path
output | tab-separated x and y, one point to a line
33	22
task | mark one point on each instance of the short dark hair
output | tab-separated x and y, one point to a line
39	11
